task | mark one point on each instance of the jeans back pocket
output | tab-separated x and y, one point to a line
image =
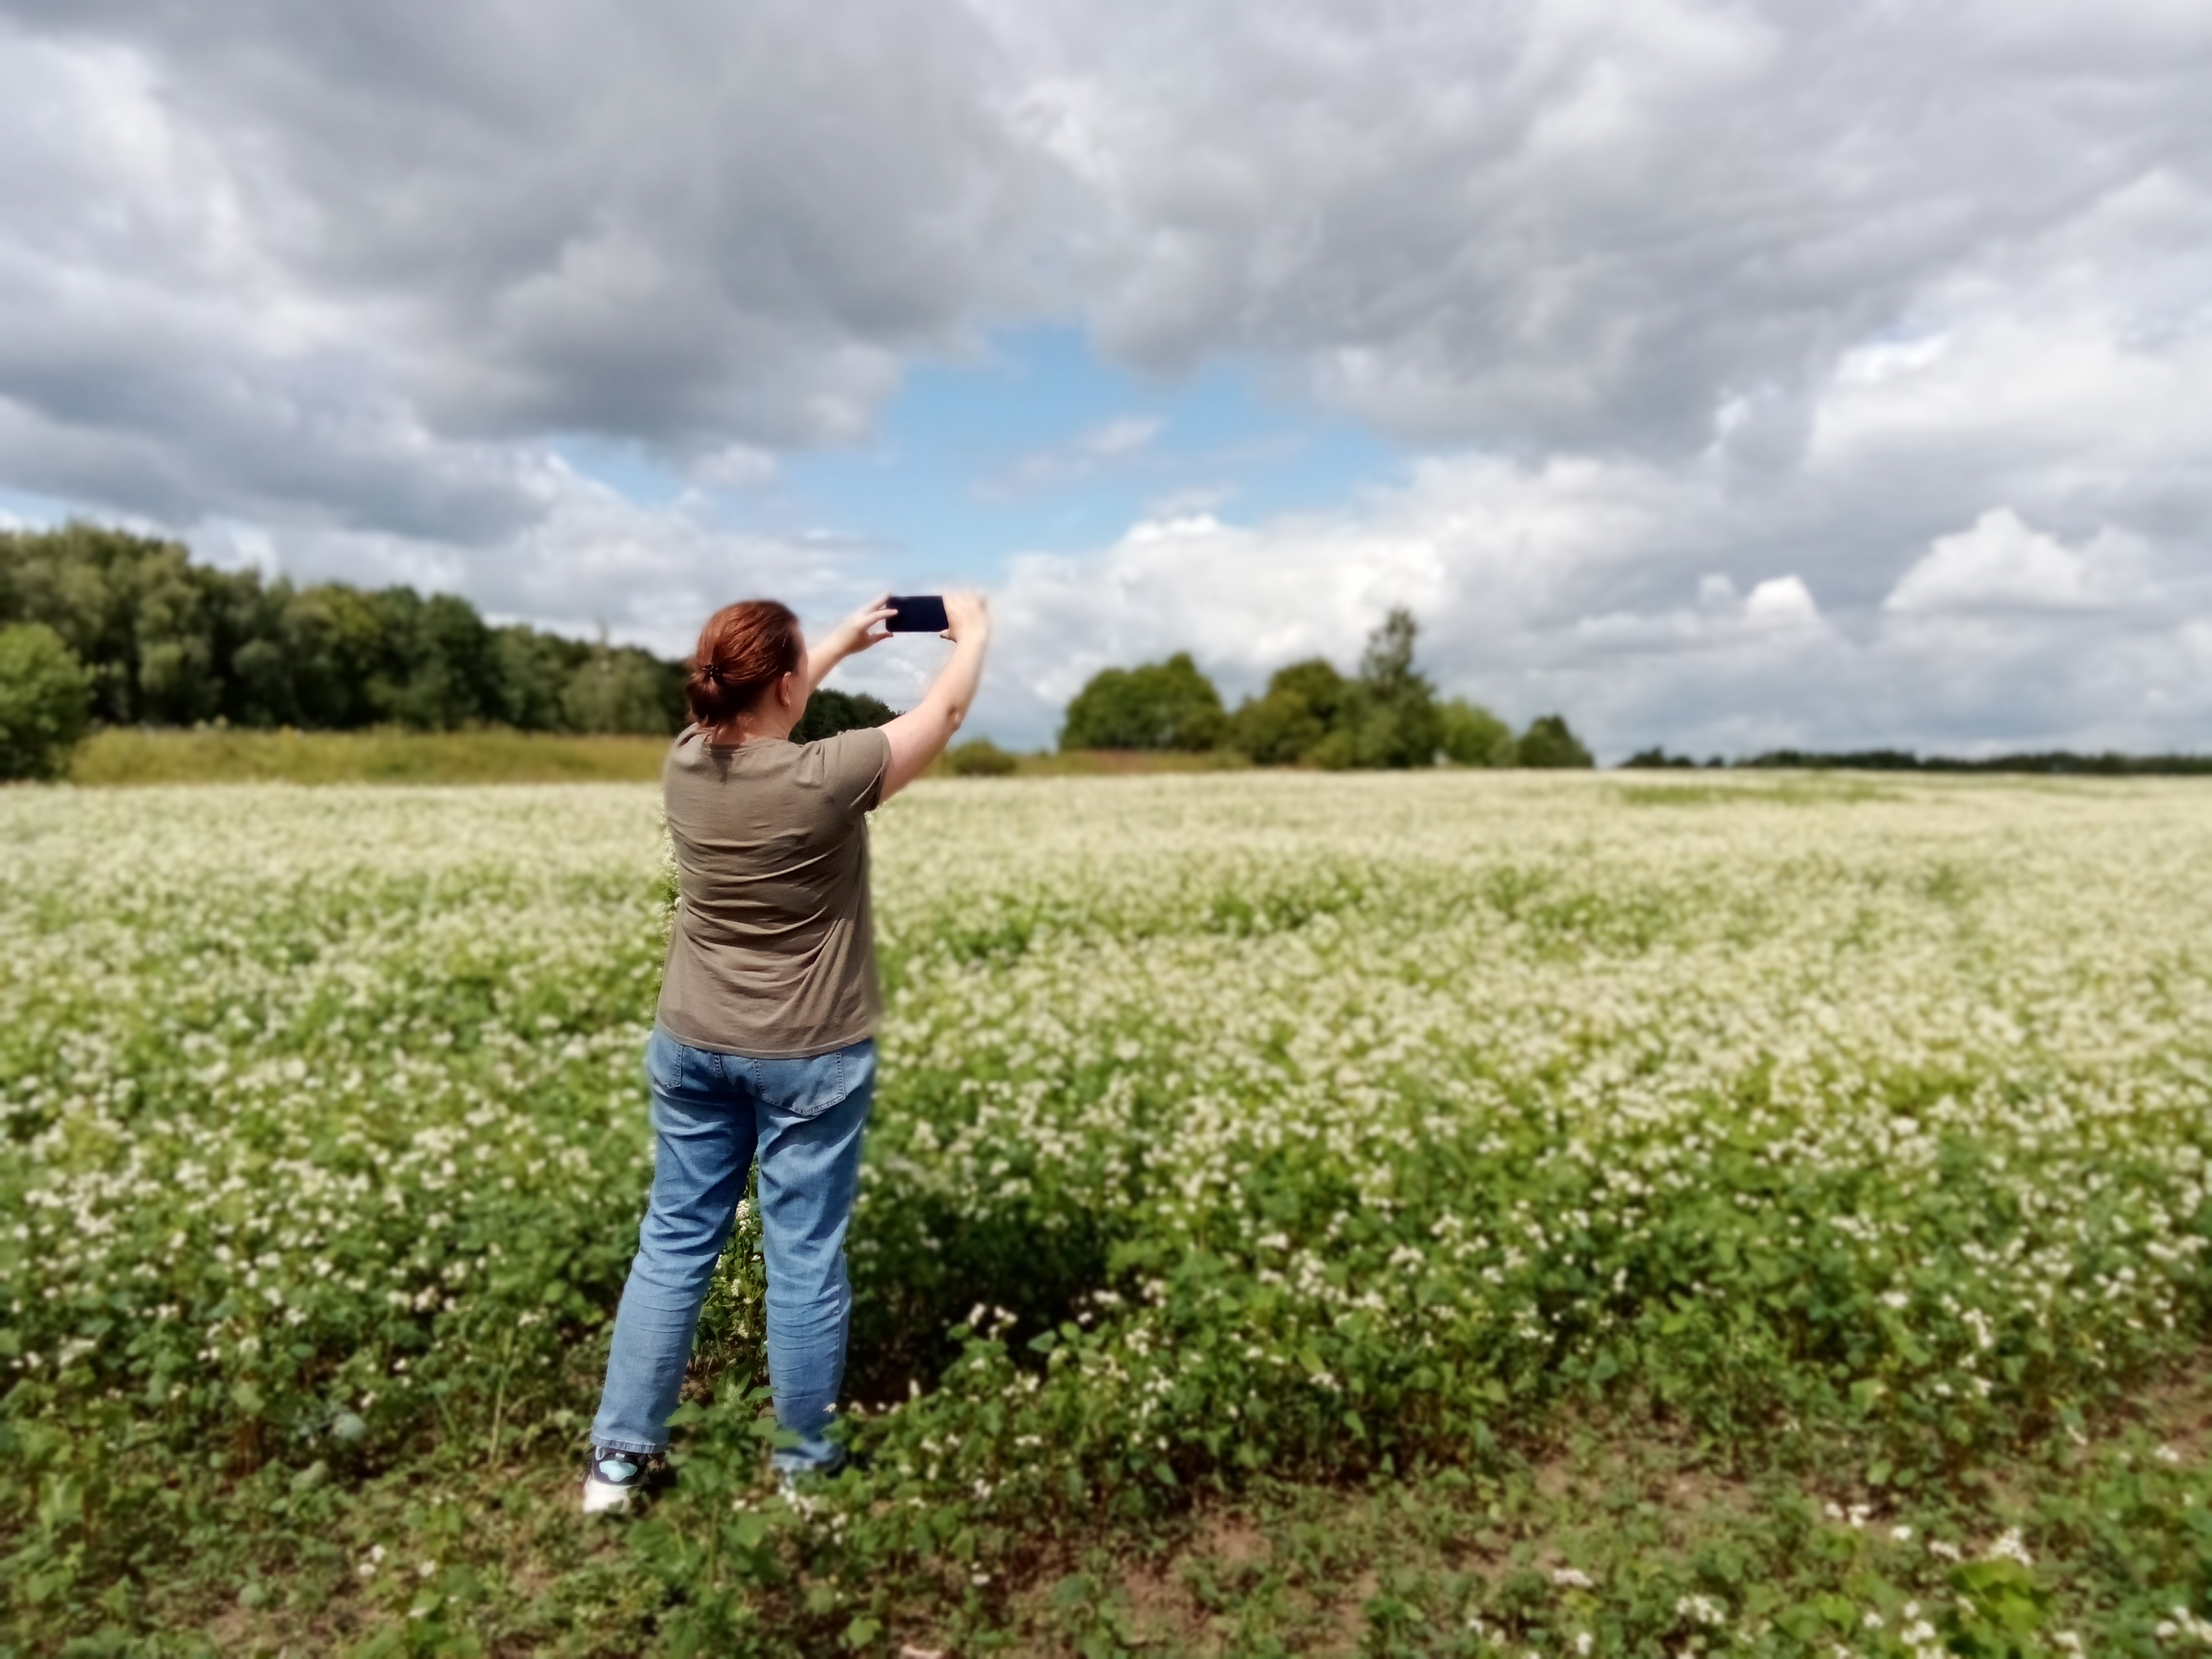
808	1087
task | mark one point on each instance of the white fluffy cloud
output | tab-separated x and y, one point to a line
1767	374
2001	565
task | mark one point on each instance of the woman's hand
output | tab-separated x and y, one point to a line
969	613
857	632
849	637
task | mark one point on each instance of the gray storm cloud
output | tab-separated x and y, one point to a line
1753	361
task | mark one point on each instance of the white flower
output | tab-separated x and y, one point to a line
1701	1609
2008	1547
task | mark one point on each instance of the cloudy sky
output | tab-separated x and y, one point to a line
1726	375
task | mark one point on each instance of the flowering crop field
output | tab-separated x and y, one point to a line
1461	1213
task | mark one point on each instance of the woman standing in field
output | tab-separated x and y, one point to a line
764	1041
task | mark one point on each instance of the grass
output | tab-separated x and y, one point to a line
119	756
131	755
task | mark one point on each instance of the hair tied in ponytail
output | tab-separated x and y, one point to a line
742	650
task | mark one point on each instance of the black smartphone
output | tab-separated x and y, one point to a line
917	613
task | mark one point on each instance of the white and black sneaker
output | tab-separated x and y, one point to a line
609	1477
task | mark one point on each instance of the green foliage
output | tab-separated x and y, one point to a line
1470	735
1302	702
979	757
1392	720
1381	1170
1310	713
43	696
1549	743
171	643
1164	705
829	712
616	691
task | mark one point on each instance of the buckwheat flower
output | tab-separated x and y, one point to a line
2008	1546
1701	1609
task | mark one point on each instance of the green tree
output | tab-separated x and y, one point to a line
535	674
436	667
44	699
166	641
1470	735
1390	718
829	712
1549	743
1287	724
1167	705
615	690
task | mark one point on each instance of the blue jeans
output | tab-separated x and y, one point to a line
711	1113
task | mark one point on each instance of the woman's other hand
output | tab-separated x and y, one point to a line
969	613
918	736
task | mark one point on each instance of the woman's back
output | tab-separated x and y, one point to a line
774	949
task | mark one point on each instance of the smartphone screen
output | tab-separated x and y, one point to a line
917	613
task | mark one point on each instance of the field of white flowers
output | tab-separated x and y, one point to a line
1238	1133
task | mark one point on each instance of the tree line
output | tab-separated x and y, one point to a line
100	626
1385	714
2050	763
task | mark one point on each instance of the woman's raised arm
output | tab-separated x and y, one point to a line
918	736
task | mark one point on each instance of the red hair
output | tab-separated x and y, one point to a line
744	649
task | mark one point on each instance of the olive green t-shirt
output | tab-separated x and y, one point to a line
774	952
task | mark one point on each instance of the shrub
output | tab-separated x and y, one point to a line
979	757
45	700
1549	743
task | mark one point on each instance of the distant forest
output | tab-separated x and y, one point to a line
2053	763
164	641
104	626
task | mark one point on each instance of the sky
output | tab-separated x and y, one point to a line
1727	376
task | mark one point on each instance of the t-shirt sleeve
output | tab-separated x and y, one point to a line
858	762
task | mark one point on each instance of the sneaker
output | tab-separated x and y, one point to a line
609	1477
